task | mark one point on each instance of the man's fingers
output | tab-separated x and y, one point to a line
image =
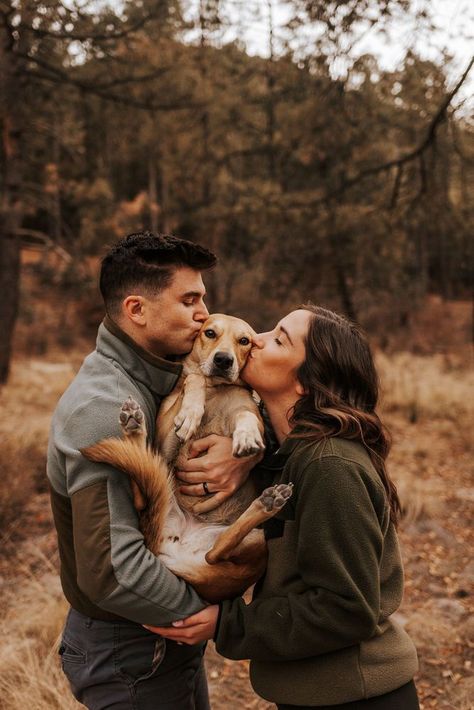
194	629
190	477
158	629
210	503
197	489
197	465
193	620
172	634
200	445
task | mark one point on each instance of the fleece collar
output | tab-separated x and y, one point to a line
155	373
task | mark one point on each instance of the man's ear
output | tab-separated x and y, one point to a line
133	309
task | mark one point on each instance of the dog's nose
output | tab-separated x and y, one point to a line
223	360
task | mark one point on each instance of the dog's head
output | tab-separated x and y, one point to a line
222	346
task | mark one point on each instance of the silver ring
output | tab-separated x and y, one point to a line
206	489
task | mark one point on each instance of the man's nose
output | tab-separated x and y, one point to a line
202	313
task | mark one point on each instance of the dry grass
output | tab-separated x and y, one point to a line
30	628
431	390
33	607
29	399
425	402
420	387
23	463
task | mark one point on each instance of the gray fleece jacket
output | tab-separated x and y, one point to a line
106	571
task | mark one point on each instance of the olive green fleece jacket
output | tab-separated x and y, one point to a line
107	572
319	629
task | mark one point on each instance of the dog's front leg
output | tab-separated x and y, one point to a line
247	438
190	415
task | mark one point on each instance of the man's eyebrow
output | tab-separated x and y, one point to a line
284	330
194	294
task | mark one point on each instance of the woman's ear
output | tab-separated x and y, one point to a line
300	390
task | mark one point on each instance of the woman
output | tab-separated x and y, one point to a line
319	631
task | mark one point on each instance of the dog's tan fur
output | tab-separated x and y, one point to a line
218	551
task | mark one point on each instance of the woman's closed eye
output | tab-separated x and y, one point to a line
278	341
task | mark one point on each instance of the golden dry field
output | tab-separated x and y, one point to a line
426	403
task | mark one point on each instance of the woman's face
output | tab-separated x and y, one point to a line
273	361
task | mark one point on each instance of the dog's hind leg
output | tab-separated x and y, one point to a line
266	506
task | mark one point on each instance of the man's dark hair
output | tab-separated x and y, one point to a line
145	263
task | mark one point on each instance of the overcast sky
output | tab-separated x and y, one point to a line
453	19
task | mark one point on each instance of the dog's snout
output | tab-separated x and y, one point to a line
223	360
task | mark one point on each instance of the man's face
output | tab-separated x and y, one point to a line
174	317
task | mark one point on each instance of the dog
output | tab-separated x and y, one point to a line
218	551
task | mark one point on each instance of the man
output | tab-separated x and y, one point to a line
154	300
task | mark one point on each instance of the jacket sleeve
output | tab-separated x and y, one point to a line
339	546
114	568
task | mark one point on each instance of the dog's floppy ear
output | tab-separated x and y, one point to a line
250	333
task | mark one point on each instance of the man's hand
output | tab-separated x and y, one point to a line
196	628
222	472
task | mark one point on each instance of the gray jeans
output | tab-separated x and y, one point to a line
122	666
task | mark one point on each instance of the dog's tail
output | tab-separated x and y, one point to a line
148	469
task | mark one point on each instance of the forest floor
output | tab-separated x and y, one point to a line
430	462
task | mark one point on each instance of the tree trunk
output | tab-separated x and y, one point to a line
270	106
11	211
55	179
338	255
164	195
9	287
212	241
343	289
152	193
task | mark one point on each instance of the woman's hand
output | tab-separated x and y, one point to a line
212	463
196	628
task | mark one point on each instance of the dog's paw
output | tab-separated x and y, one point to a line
187	421
275	497
246	443
132	419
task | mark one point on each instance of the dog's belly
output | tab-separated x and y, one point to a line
186	541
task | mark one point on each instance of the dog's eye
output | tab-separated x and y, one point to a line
209	334
244	341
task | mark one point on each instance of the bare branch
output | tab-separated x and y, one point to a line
133	79
438	118
35	239
88	36
396	186
59	76
417	152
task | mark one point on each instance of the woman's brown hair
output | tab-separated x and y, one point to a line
341	392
